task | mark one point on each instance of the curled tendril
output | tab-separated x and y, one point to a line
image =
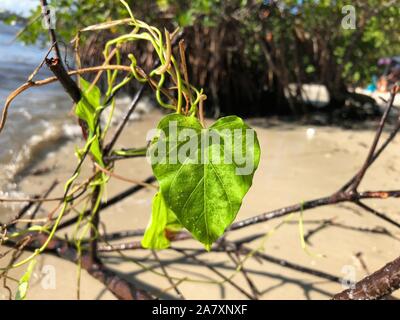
169	67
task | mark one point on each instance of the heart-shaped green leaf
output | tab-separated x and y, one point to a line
204	173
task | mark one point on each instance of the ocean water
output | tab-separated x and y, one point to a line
38	117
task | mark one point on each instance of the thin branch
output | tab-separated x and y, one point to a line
367	163
116	176
125	120
39	83
372	155
378	214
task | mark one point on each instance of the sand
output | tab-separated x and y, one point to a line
297	163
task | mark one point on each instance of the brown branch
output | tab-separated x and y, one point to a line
64	78
119	177
376	286
45	195
124	121
334	199
378	214
238	247
367	163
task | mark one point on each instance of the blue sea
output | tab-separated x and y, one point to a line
38	117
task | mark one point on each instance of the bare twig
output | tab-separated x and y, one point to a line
367	163
116	176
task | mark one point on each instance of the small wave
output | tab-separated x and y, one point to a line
25	113
54	135
12	194
144	106
72	130
38	146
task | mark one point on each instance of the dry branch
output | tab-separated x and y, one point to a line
376	286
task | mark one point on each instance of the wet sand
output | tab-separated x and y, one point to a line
296	164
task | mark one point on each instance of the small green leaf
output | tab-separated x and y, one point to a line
96	151
173	223
204	195
87	110
161	219
91	92
23	284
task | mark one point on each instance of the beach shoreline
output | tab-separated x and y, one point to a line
298	162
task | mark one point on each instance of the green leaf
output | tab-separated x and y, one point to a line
161	219
23	284
87	110
91	92
90	102
173	223
204	195
95	150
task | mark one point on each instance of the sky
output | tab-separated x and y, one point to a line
18	6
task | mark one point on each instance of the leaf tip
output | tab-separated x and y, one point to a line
208	246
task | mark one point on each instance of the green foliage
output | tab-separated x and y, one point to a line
198	184
353	53
319	21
